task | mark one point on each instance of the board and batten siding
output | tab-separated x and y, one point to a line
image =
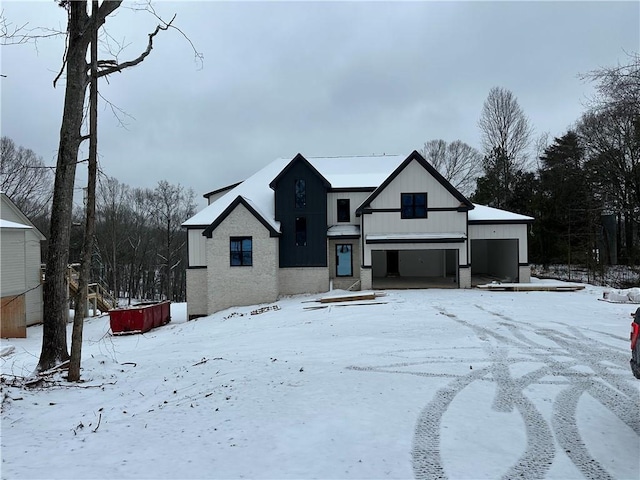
197	247
414	178
503	231
436	222
355	200
314	253
229	286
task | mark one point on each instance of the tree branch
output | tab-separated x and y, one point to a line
107	70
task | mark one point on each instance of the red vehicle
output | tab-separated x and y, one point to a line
635	344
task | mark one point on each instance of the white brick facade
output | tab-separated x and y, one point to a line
197	292
230	286
464	275
297	280
524	274
366	281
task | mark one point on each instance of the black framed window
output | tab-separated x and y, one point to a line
344	260
413	205
301	231
301	193
241	251
344	210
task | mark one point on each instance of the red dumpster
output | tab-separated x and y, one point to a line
139	318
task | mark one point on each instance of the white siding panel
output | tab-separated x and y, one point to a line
12	262
355	200
197	247
436	222
33	298
414	178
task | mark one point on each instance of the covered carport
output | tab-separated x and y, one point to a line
401	268
420	260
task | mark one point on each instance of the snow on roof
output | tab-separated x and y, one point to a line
482	213
343	230
356	172
8	224
341	172
254	189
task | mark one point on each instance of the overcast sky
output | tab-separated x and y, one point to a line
323	79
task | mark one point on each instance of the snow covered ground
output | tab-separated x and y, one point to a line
432	383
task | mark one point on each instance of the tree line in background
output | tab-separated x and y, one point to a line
583	189
139	249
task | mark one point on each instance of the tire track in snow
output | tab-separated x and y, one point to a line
425	453
559	359
568	435
581	355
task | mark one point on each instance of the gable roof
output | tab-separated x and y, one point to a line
220	190
483	215
355	173
274	230
256	188
24	220
415	156
298	159
13	225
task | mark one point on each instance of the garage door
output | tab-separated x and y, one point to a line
495	260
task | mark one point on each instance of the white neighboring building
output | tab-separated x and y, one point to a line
305	225
20	260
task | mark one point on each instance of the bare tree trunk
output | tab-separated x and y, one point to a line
90	225
54	341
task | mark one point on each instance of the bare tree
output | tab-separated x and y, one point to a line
610	131
506	135
617	86
79	33
459	163
505	127
174	205
25	178
113	205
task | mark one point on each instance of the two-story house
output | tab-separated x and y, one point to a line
308	225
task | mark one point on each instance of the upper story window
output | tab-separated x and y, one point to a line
344	210
413	205
241	249
301	193
301	231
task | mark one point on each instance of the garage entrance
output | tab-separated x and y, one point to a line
494	260
436	268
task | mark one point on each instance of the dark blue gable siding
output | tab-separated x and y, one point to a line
314	253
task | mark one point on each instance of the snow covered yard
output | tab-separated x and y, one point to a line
433	383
